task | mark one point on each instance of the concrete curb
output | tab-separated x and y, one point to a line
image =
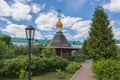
75	74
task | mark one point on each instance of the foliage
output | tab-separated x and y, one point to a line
3	49
80	58
11	67
107	69
36	49
84	49
48	52
23	74
20	50
58	63
40	65
6	39
100	43
18	67
73	67
14	51
52	76
60	73
75	53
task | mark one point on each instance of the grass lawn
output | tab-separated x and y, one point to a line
47	76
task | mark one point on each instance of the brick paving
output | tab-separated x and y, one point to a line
84	73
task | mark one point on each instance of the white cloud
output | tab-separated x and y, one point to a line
6	20
116	33
69	21
20	11
38	35
46	21
16	30
82	28
4	8
113	6
36	8
116	28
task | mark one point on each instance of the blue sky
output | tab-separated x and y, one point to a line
76	15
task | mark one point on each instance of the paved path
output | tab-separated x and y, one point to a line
84	73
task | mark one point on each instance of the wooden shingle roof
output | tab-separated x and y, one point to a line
59	41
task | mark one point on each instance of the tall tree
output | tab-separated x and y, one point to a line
84	49
3	49
101	43
6	39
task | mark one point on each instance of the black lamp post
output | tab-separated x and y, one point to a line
30	36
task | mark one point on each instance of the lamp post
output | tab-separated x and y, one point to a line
29	36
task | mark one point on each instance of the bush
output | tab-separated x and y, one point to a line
40	65
23	74
58	63
73	67
107	69
80	58
18	67
48	52
3	49
11	67
60	73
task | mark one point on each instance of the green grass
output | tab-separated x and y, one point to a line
47	76
51	76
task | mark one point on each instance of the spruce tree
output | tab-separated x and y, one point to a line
101	43
84	49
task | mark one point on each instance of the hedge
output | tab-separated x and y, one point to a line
107	69
11	68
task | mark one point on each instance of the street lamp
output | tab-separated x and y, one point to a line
30	36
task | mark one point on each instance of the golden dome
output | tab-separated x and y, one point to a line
59	24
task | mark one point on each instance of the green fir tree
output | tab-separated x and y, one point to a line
100	43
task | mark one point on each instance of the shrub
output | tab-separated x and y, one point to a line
60	73
3	49
18	67
73	67
80	58
23	74
107	69
40	65
11	67
48	52
58	63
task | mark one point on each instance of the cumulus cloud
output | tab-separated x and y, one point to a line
82	28
19	9
6	20
116	32
16	30
69	21
47	21
113	6
36	8
4	8
116	28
